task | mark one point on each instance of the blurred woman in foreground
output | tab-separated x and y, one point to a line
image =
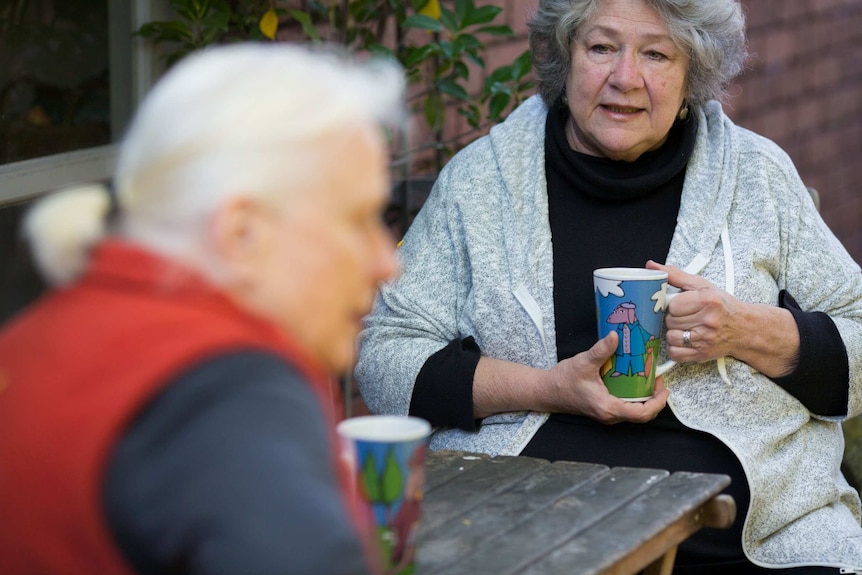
167	407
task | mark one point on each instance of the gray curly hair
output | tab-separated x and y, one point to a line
710	32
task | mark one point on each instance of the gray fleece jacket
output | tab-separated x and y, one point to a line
478	262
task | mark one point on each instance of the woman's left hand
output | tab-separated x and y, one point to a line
718	325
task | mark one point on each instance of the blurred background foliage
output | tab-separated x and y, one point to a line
440	44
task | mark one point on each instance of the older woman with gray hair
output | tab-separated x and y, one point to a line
626	159
167	407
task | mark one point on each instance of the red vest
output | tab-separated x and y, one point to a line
74	370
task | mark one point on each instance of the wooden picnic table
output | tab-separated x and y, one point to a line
507	515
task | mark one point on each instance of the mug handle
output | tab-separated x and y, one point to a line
666	366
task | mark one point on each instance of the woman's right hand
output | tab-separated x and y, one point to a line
575	386
572	386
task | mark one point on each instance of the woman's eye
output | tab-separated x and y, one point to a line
658	56
600	49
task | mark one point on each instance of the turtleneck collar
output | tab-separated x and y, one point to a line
614	180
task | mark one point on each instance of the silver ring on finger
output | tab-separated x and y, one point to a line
686	338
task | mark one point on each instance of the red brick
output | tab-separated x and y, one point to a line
809	115
781	45
795	9
777	125
828	72
504	54
758	13
846	104
520	13
794	82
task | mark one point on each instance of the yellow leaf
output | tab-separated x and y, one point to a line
269	24
431	9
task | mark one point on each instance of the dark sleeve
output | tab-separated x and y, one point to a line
229	471
443	392
822	375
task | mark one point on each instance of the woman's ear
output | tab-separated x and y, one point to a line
242	233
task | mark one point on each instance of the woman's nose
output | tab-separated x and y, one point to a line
626	74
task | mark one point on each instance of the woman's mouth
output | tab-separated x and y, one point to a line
621	109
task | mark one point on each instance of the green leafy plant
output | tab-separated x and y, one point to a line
438	44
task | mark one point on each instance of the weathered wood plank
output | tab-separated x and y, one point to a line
441	466
637	534
479	526
472	487
575	512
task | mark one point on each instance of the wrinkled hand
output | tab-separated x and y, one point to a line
706	312
578	389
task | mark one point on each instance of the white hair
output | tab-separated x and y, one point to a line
250	119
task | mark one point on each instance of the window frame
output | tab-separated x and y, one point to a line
134	68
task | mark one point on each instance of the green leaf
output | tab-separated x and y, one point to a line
481	15
363	12
497	88
444	67
217	16
186	9
452	88
465	42
447	49
460	70
463	9
423	23
501	74
433	109
447	18
418	55
476	60
522	65
308	27
497	104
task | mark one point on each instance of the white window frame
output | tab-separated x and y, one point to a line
21	181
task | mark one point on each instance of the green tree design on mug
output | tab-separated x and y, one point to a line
384	488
